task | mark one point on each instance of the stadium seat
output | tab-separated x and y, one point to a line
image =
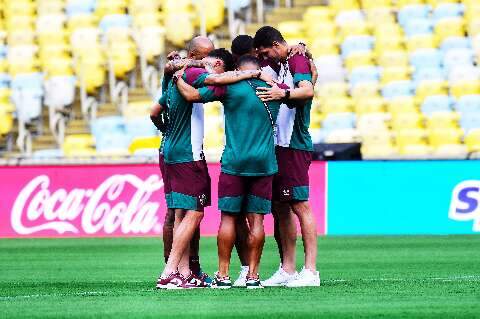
445	136
470	120
364	74
395	74
27	93
413	136
448	10
374	126
414	11
338	121
461	88
472	140
369	105
342	136
440	120
397	58
397	89
365	90
429	74
138	143
140	126
79	145
415	27
337	105
75	7
421	41
463	73
333	89
468	104
426	58
403	104
449	27
48	154
427	88
406	120
359	59
455	43
450	151
436	103
356	43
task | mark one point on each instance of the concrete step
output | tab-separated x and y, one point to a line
309	3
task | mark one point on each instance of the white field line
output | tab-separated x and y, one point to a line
473	278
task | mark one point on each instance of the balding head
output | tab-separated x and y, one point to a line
199	47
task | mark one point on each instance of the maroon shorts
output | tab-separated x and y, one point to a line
166	184
248	194
189	184
291	183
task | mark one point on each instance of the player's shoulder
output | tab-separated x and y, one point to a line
299	63
193	73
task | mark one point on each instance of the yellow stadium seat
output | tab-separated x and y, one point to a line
388	43
402	105
438	120
50	7
390	74
396	58
12	8
343	5
323	46
214	13
430	87
79	145
6	118
359	59
402	3
21	37
365	90
144	143
137	109
320	29
316	14
421	41
449	27
178	36
369	105
105	7
472	140
332	89
379	151
435	3
445	136
147	19
5	98
387	30
416	151
337	105
91	76
291	29
461	88
376	135
381	15
407	121
354	27
410	136
451	151
81	21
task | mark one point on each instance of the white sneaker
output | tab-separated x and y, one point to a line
242	278
280	278
306	278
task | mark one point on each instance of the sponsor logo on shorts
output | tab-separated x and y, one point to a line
286	192
465	204
203	199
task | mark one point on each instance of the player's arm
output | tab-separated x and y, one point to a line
303	91
231	77
188	92
177	64
157	118
314	71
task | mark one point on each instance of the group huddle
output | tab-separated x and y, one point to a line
266	88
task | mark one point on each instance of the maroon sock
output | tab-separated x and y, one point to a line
166	258
195	264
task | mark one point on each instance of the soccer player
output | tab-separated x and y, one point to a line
186	169
294	155
248	164
197	49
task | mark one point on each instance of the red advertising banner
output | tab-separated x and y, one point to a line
105	201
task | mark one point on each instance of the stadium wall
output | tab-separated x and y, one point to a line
348	198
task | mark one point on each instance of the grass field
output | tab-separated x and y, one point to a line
362	277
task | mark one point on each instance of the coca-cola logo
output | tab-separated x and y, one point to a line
121	203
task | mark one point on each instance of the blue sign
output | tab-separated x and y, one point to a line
403	197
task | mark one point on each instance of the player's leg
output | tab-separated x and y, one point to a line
194	259
230	197
256	240
308	227
241	244
168	225
288	231
225	242
276	232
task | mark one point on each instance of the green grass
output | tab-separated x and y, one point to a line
362	277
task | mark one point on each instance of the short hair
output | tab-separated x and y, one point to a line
265	36
242	44
244	59
226	57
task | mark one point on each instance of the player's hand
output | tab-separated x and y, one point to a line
174	55
264	76
274	93
298	49
179	74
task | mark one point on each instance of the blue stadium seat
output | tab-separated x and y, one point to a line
418	27
48	153
431	73
469	121
468	104
110	124
357	43
398	89
426	58
451	43
458	57
436	103
336	121
112	141
3	51
364	74
448	10
80	7
27	93
140	127
4	80
464	73
115	21
414	11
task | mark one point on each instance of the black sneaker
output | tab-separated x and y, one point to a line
221	282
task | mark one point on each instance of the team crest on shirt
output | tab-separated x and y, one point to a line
202	199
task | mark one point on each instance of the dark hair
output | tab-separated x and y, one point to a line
225	56
265	36
244	59
242	44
